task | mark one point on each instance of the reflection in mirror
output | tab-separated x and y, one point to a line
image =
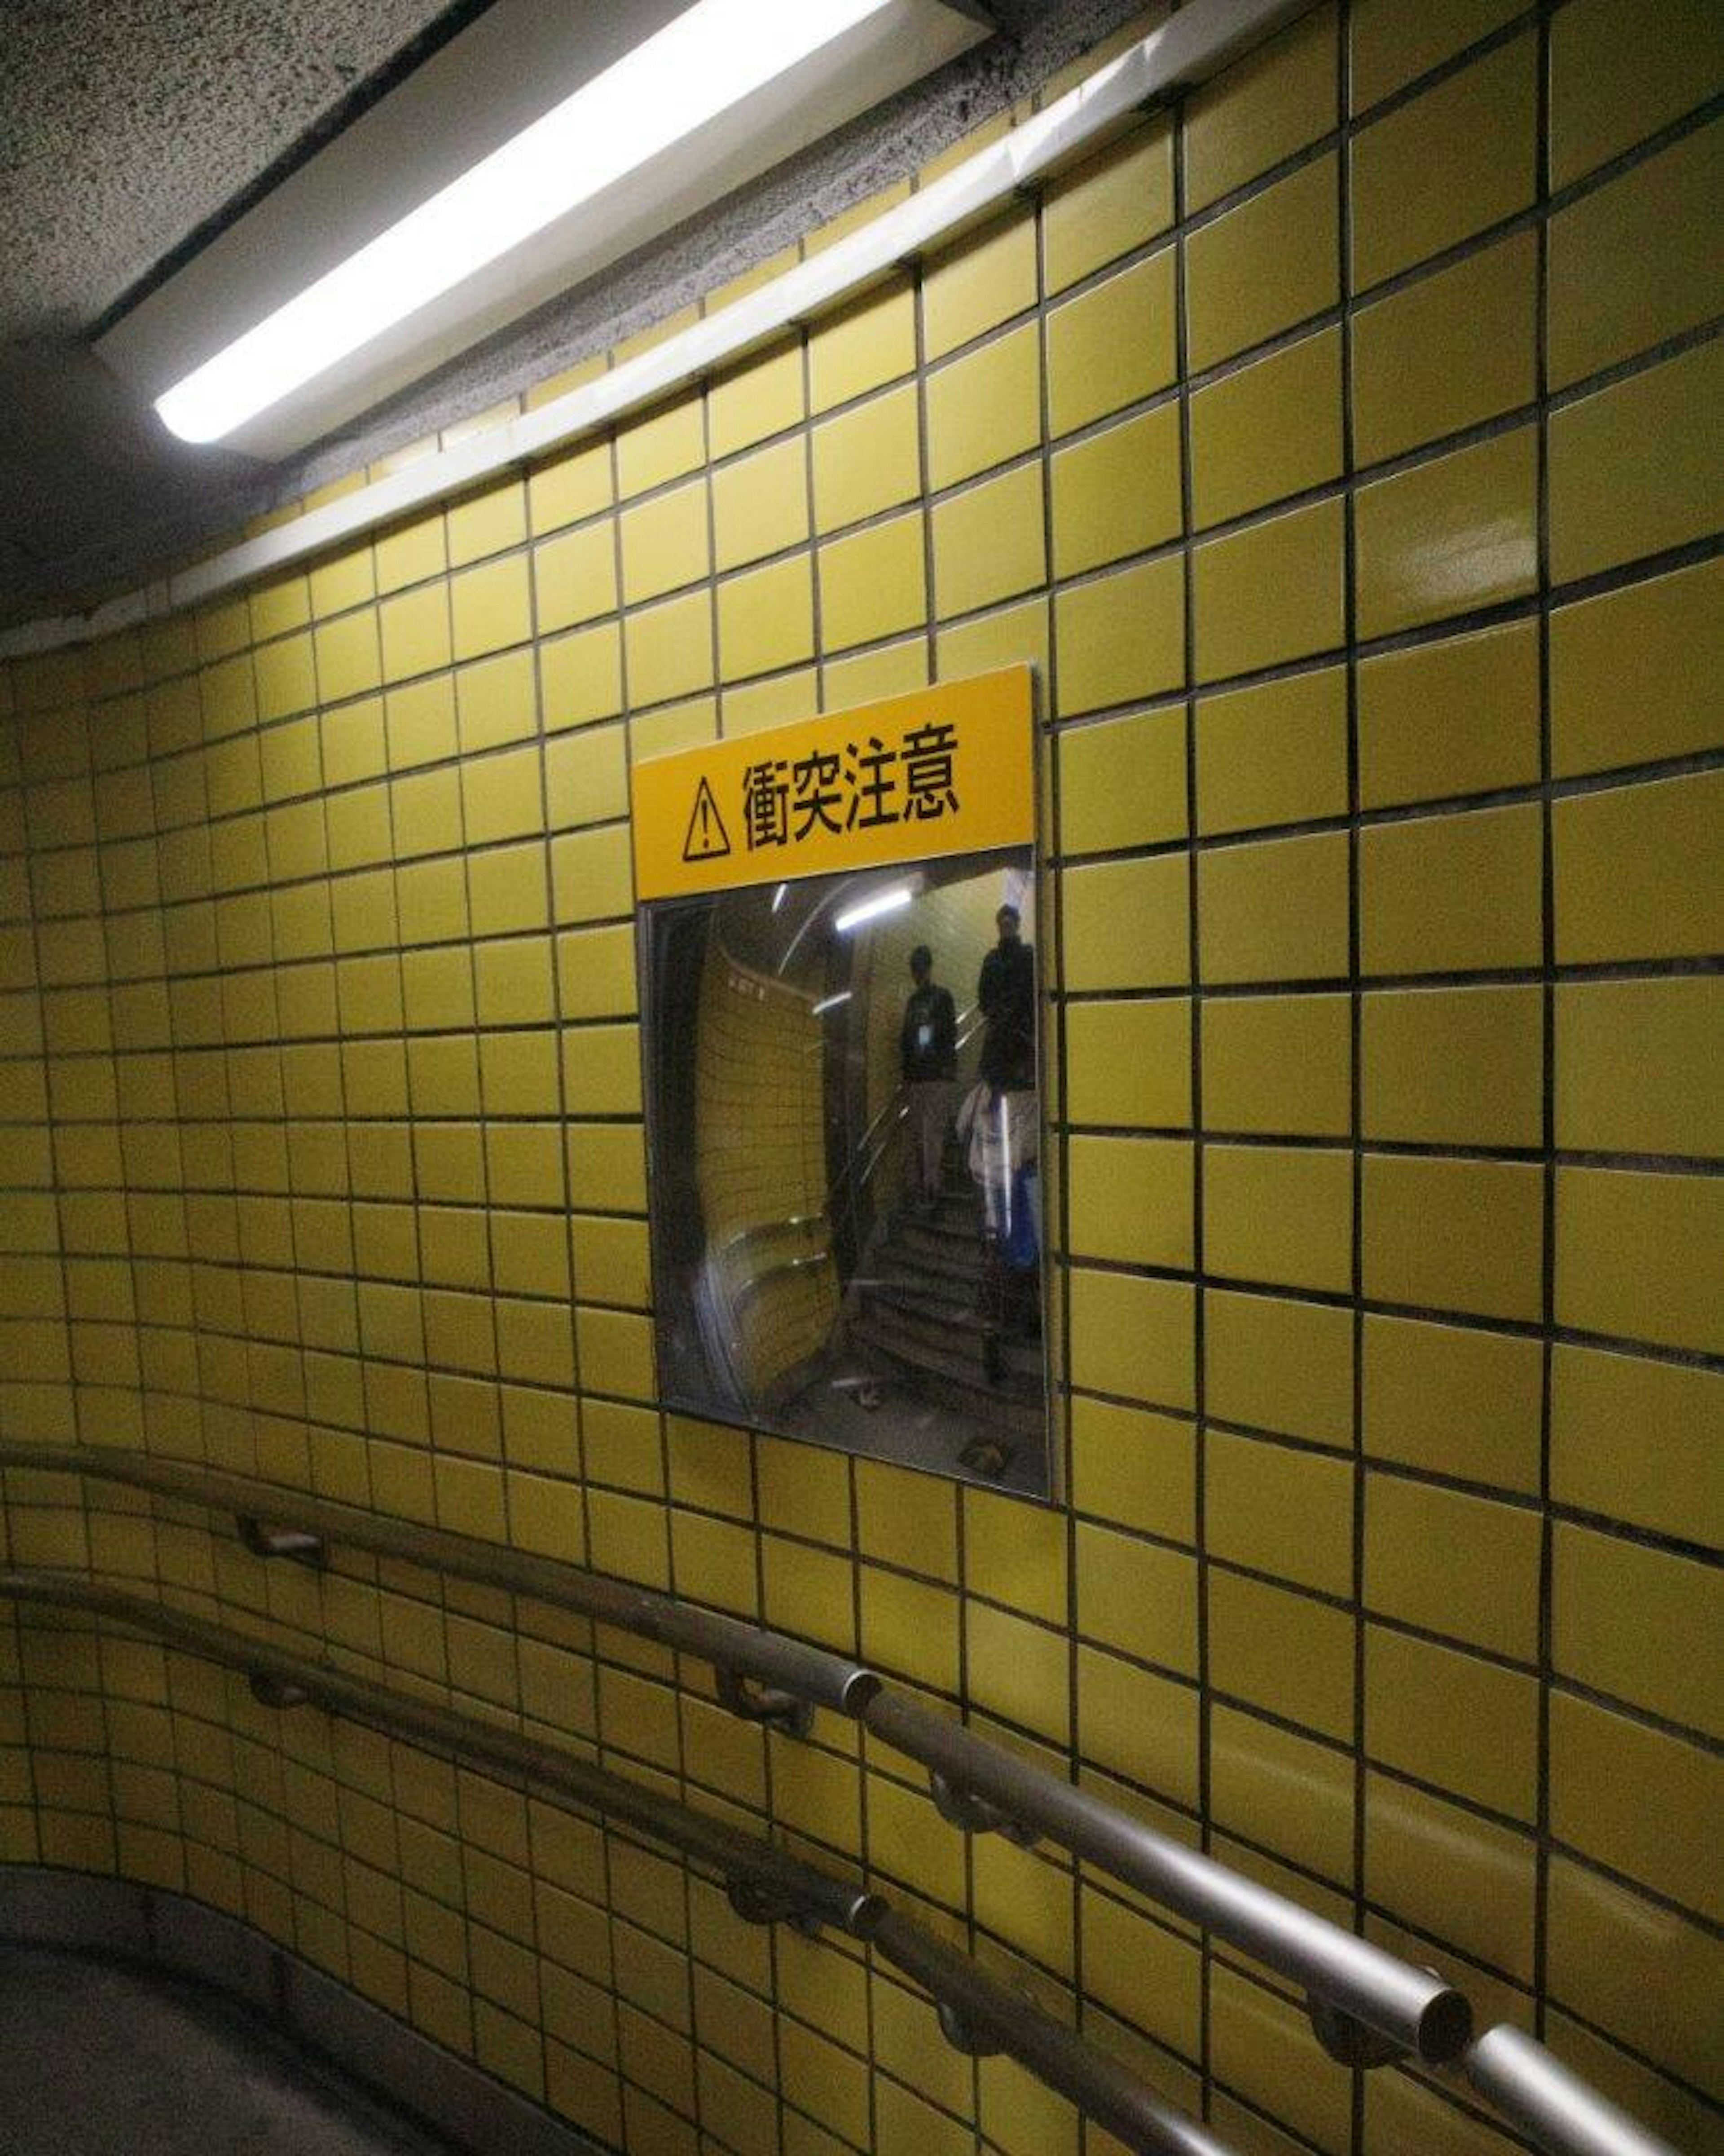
845	1129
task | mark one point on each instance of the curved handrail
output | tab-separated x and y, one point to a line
765	1884
1367	2006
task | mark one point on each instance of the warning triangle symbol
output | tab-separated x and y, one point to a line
707	840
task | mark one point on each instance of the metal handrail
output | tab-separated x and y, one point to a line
1368	2007
764	1884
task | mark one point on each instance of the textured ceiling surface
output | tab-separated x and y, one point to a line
125	125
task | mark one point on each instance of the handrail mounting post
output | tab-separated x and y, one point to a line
755	1904
963	2034
269	1689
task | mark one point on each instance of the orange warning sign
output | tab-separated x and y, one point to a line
945	770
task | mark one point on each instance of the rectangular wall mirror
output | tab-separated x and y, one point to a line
844	1116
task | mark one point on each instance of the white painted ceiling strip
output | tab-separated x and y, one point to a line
1193	44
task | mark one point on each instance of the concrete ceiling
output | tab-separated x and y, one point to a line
131	129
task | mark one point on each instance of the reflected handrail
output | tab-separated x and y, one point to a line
979	1786
763	1883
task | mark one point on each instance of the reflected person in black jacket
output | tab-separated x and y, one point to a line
927	1056
1007	995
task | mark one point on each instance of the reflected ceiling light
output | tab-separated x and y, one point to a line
708	60
830	1003
870	909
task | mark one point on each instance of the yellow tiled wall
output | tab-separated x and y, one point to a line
1345	451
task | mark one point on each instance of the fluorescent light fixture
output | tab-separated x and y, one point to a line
871	909
778	896
707	60
830	1003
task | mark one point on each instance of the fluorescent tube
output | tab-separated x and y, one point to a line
712	57
870	909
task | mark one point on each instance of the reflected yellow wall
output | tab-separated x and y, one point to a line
1345	454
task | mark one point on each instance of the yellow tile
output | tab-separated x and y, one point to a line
1259	2047
1282	1791
1130	1200
1447	894
1611	87
1666	1482
1269	594
1129	1064
348	660
286	680
1632	671
1132	1337
1276	909
1635	468
415	633
1453	1234
1637	1256
1452	1874
1479	130
664	543
873	583
988	542
1282	1651
1138	1597
984	279
1272	262
1637	1801
1447	351
1449	1718
1260	109
496	702
1636	1066
575	577
1460	1402
1267	430
766	618
1448	1561
570	487
1278	1065
985	408
587	778
864	346
1132	1467
500	797
1122	782
1390	47
580	676
668	649
492	607
1275	754
1279	1214
662	445
1117	493
1019	1670
487	523
1280	1365
867	461
1103	208
762	397
1279	1511
1446	537
760	503
1456	717
1453	1066
1112	344
1121	636
1127	925
1636	261
1651	1663
1636	871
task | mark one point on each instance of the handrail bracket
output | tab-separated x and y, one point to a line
1349	2041
755	1904
263	1540
962	1808
964	2035
785	1712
